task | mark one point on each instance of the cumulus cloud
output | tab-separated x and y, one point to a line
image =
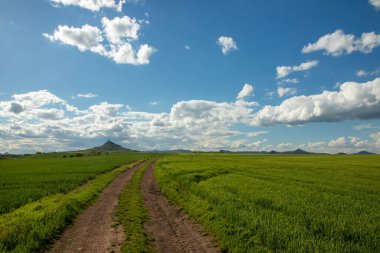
376	138
351	142
85	95
366	126
41	121
125	54
92	5
292	80
316	145
106	109
258	133
375	3
281	91
85	38
363	73
283	71
227	44
15	108
339	142
119	32
118	29
33	105
193	124
246	91
339	43
352	101
196	112
358	143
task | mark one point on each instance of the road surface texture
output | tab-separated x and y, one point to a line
94	230
170	228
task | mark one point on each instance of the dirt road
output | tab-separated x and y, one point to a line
93	230
170	228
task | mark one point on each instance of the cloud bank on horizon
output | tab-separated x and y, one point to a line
192	124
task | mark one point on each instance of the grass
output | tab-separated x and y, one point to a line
282	203
34	225
28	179
132	214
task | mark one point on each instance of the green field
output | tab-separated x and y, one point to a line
28	179
132	214
286	203
52	192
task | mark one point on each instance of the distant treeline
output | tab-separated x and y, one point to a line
11	156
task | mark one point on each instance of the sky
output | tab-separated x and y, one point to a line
240	75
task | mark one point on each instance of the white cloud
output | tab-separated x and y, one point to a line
125	54
227	43
246	91
42	121
118	31
339	43
119	28
187	47
376	138
39	120
365	126
363	73
283	71
258	133
340	142
32	104
86	95
375	3
92	5
281	91
195	112
286	146
352	101
358	143
270	94
316	145
154	103
353	143
293	81
105	108
85	38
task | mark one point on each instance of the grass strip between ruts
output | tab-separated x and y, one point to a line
132	214
33	226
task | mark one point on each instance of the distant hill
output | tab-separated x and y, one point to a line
110	147
272	152
363	152
297	152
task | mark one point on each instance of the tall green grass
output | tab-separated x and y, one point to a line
28	179
31	227
68	186
264	203
132	214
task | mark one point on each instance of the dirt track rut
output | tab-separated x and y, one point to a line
170	228
93	230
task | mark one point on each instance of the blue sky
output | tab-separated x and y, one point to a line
72	75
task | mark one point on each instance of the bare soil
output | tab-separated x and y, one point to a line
95	230
169	227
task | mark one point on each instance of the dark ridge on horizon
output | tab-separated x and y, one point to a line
111	147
